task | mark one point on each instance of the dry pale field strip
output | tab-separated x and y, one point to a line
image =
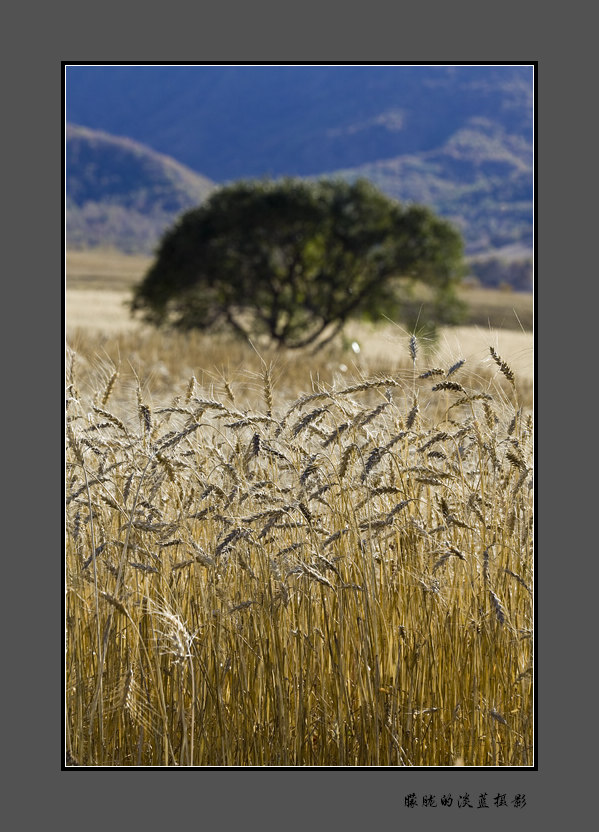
104	269
104	311
98	288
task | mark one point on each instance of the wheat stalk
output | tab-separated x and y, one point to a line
505	369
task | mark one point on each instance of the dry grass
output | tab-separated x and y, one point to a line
161	362
116	274
280	559
104	269
259	577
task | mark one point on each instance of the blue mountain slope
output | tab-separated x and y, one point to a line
239	121
458	138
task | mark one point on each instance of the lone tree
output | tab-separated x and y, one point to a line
296	260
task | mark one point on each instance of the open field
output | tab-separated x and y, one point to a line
343	578
104	269
276	559
98	288
110	270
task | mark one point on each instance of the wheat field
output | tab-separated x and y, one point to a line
273	561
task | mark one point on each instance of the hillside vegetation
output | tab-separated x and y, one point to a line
456	138
122	194
246	121
480	179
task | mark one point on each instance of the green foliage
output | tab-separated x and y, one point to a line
295	260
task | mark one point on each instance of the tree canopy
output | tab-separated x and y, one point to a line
295	259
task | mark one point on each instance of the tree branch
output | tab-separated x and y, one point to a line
236	325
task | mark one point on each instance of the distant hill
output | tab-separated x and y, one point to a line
457	138
122	194
232	122
480	178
